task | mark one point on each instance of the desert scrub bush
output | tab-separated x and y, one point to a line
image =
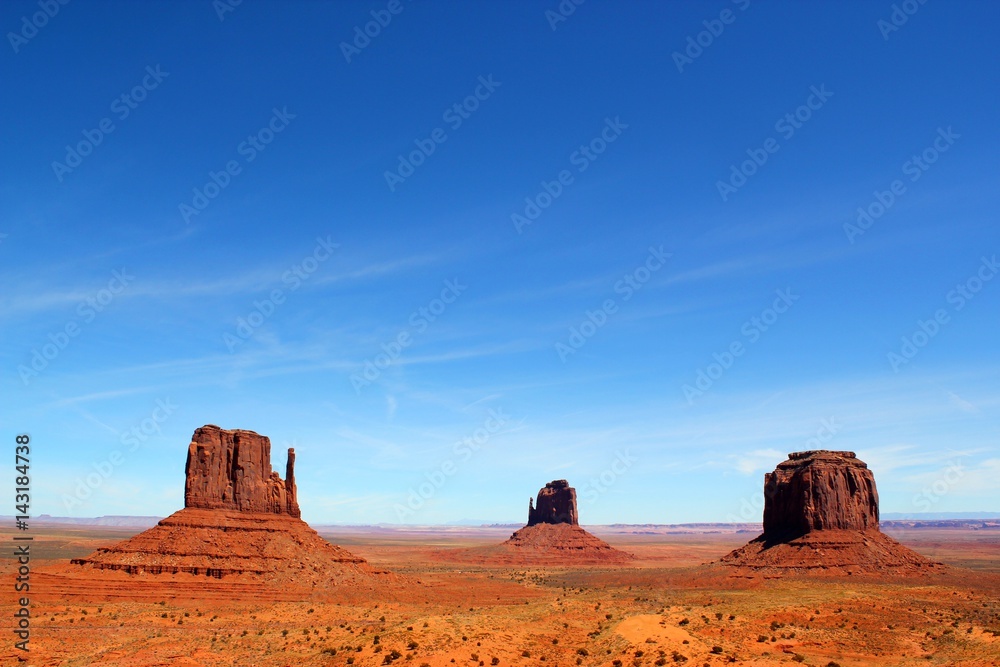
525	653
717	649
494	660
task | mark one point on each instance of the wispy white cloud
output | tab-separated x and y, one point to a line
42	297
758	459
99	396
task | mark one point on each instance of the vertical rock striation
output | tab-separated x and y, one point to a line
232	470
819	490
556	504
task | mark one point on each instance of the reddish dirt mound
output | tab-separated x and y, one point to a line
829	552
557	543
542	544
218	543
250	554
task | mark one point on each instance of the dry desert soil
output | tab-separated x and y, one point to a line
449	603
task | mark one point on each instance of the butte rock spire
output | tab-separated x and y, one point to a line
232	470
241	524
553	533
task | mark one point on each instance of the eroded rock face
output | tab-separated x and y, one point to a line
232	470
556	504
819	490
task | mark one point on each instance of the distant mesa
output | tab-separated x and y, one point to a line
553	533
241	522
821	516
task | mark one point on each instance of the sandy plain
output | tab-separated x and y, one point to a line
450	607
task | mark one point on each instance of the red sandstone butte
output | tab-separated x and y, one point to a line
232	470
821	516
240	522
553	533
556	504
819	490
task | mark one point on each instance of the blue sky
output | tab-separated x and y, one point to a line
585	279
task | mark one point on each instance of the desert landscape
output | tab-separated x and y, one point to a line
552	333
237	578
662	608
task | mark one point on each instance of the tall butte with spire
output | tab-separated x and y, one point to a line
240	523
553	533
821	516
231	470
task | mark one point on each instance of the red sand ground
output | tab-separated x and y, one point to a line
661	608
